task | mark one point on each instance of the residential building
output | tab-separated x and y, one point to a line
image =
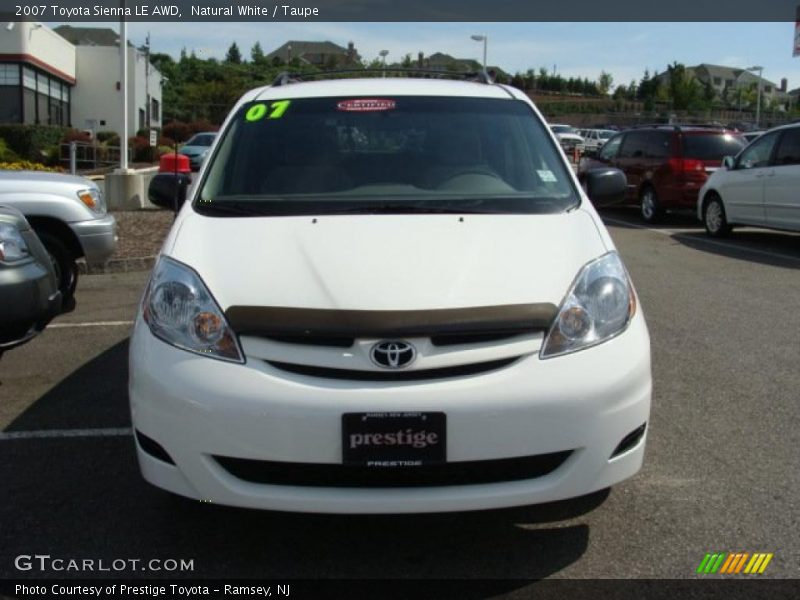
37	75
439	61
727	82
319	54
96	97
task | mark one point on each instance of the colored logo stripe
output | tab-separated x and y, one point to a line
732	563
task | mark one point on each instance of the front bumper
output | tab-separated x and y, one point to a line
98	238
196	408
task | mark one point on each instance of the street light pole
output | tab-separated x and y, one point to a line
485	39
383	54
123	51
758	98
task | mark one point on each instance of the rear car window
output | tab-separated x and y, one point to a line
329	154
712	146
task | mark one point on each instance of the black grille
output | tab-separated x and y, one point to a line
438	339
352	476
335	341
453	339
422	374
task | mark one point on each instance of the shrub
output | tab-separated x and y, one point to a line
51	156
145	131
28	141
27	165
109	137
141	150
112	140
202	125
76	135
176	130
7	155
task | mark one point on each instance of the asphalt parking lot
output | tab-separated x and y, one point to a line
720	472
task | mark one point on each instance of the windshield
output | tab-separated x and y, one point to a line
562	129
606	133
203	139
712	146
404	154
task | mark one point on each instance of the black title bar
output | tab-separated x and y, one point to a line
407	10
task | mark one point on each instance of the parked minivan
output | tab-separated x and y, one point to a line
388	295
758	187
665	165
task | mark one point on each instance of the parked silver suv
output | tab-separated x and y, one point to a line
68	214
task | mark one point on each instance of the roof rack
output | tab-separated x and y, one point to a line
286	77
678	126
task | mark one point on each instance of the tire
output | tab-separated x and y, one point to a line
714	218
649	207
64	264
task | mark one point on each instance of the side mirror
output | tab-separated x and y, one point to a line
729	163
606	186
168	190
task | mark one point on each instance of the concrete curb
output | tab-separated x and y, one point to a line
118	265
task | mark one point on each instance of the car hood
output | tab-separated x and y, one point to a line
388	262
44	182
569	136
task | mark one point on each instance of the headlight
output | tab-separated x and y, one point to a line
12	246
599	306
93	199
180	310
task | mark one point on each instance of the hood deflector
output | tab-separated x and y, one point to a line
282	321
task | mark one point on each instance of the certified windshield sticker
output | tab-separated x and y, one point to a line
366	105
546	176
274	110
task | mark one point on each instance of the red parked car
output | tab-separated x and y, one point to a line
666	165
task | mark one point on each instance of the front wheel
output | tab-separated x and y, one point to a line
650	208
63	263
714	217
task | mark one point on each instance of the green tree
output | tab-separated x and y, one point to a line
257	55
234	56
604	82
684	91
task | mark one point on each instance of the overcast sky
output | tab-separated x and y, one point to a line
574	49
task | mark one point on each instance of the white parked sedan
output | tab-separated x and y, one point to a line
758	187
389	296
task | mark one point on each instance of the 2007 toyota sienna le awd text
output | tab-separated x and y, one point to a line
385	296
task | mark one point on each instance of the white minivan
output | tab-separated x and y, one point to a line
388	295
758	187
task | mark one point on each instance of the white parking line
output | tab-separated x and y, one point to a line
64	433
686	232
92	324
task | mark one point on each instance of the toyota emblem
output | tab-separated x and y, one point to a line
393	354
